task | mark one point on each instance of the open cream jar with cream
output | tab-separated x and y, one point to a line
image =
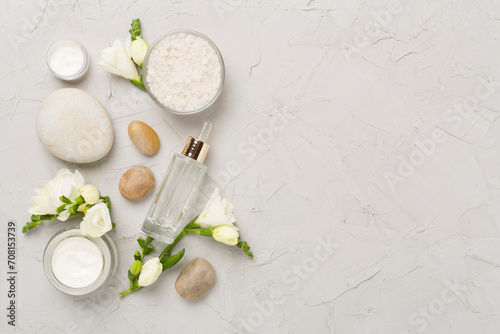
79	265
68	60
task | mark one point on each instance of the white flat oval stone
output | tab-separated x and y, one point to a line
74	126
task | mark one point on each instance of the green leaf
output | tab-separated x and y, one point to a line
141	242
73	208
131	276
106	200
66	200
61	208
30	226
244	246
113	225
148	240
171	261
79	200
135	31
139	83
148	249
36	218
137	255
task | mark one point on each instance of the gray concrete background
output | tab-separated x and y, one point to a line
363	164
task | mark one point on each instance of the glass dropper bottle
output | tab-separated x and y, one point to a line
186	170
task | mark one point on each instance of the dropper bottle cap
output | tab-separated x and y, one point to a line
196	148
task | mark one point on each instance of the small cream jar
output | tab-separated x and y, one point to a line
79	265
68	60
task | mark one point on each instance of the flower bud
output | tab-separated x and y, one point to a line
151	270
89	193
226	234
138	49
136	268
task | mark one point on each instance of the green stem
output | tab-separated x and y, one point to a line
76	214
193	230
31	225
168	250
139	83
126	292
133	287
35	220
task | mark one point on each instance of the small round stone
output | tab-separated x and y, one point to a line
74	126
195	279
137	182
144	137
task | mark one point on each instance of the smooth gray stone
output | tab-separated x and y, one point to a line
74	126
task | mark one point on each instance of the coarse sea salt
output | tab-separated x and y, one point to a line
183	72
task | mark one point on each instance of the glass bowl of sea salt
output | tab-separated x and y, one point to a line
183	72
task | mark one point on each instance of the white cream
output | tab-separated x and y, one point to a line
66	58
77	262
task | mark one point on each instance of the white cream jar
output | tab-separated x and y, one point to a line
68	60
79	265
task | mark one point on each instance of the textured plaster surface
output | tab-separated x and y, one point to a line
363	164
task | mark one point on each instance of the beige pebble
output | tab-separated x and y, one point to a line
195	279
144	137
137	182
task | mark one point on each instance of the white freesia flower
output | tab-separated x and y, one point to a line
89	193
150	272
218	211
226	234
116	60
96	221
63	216
44	202
138	50
47	199
128	46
